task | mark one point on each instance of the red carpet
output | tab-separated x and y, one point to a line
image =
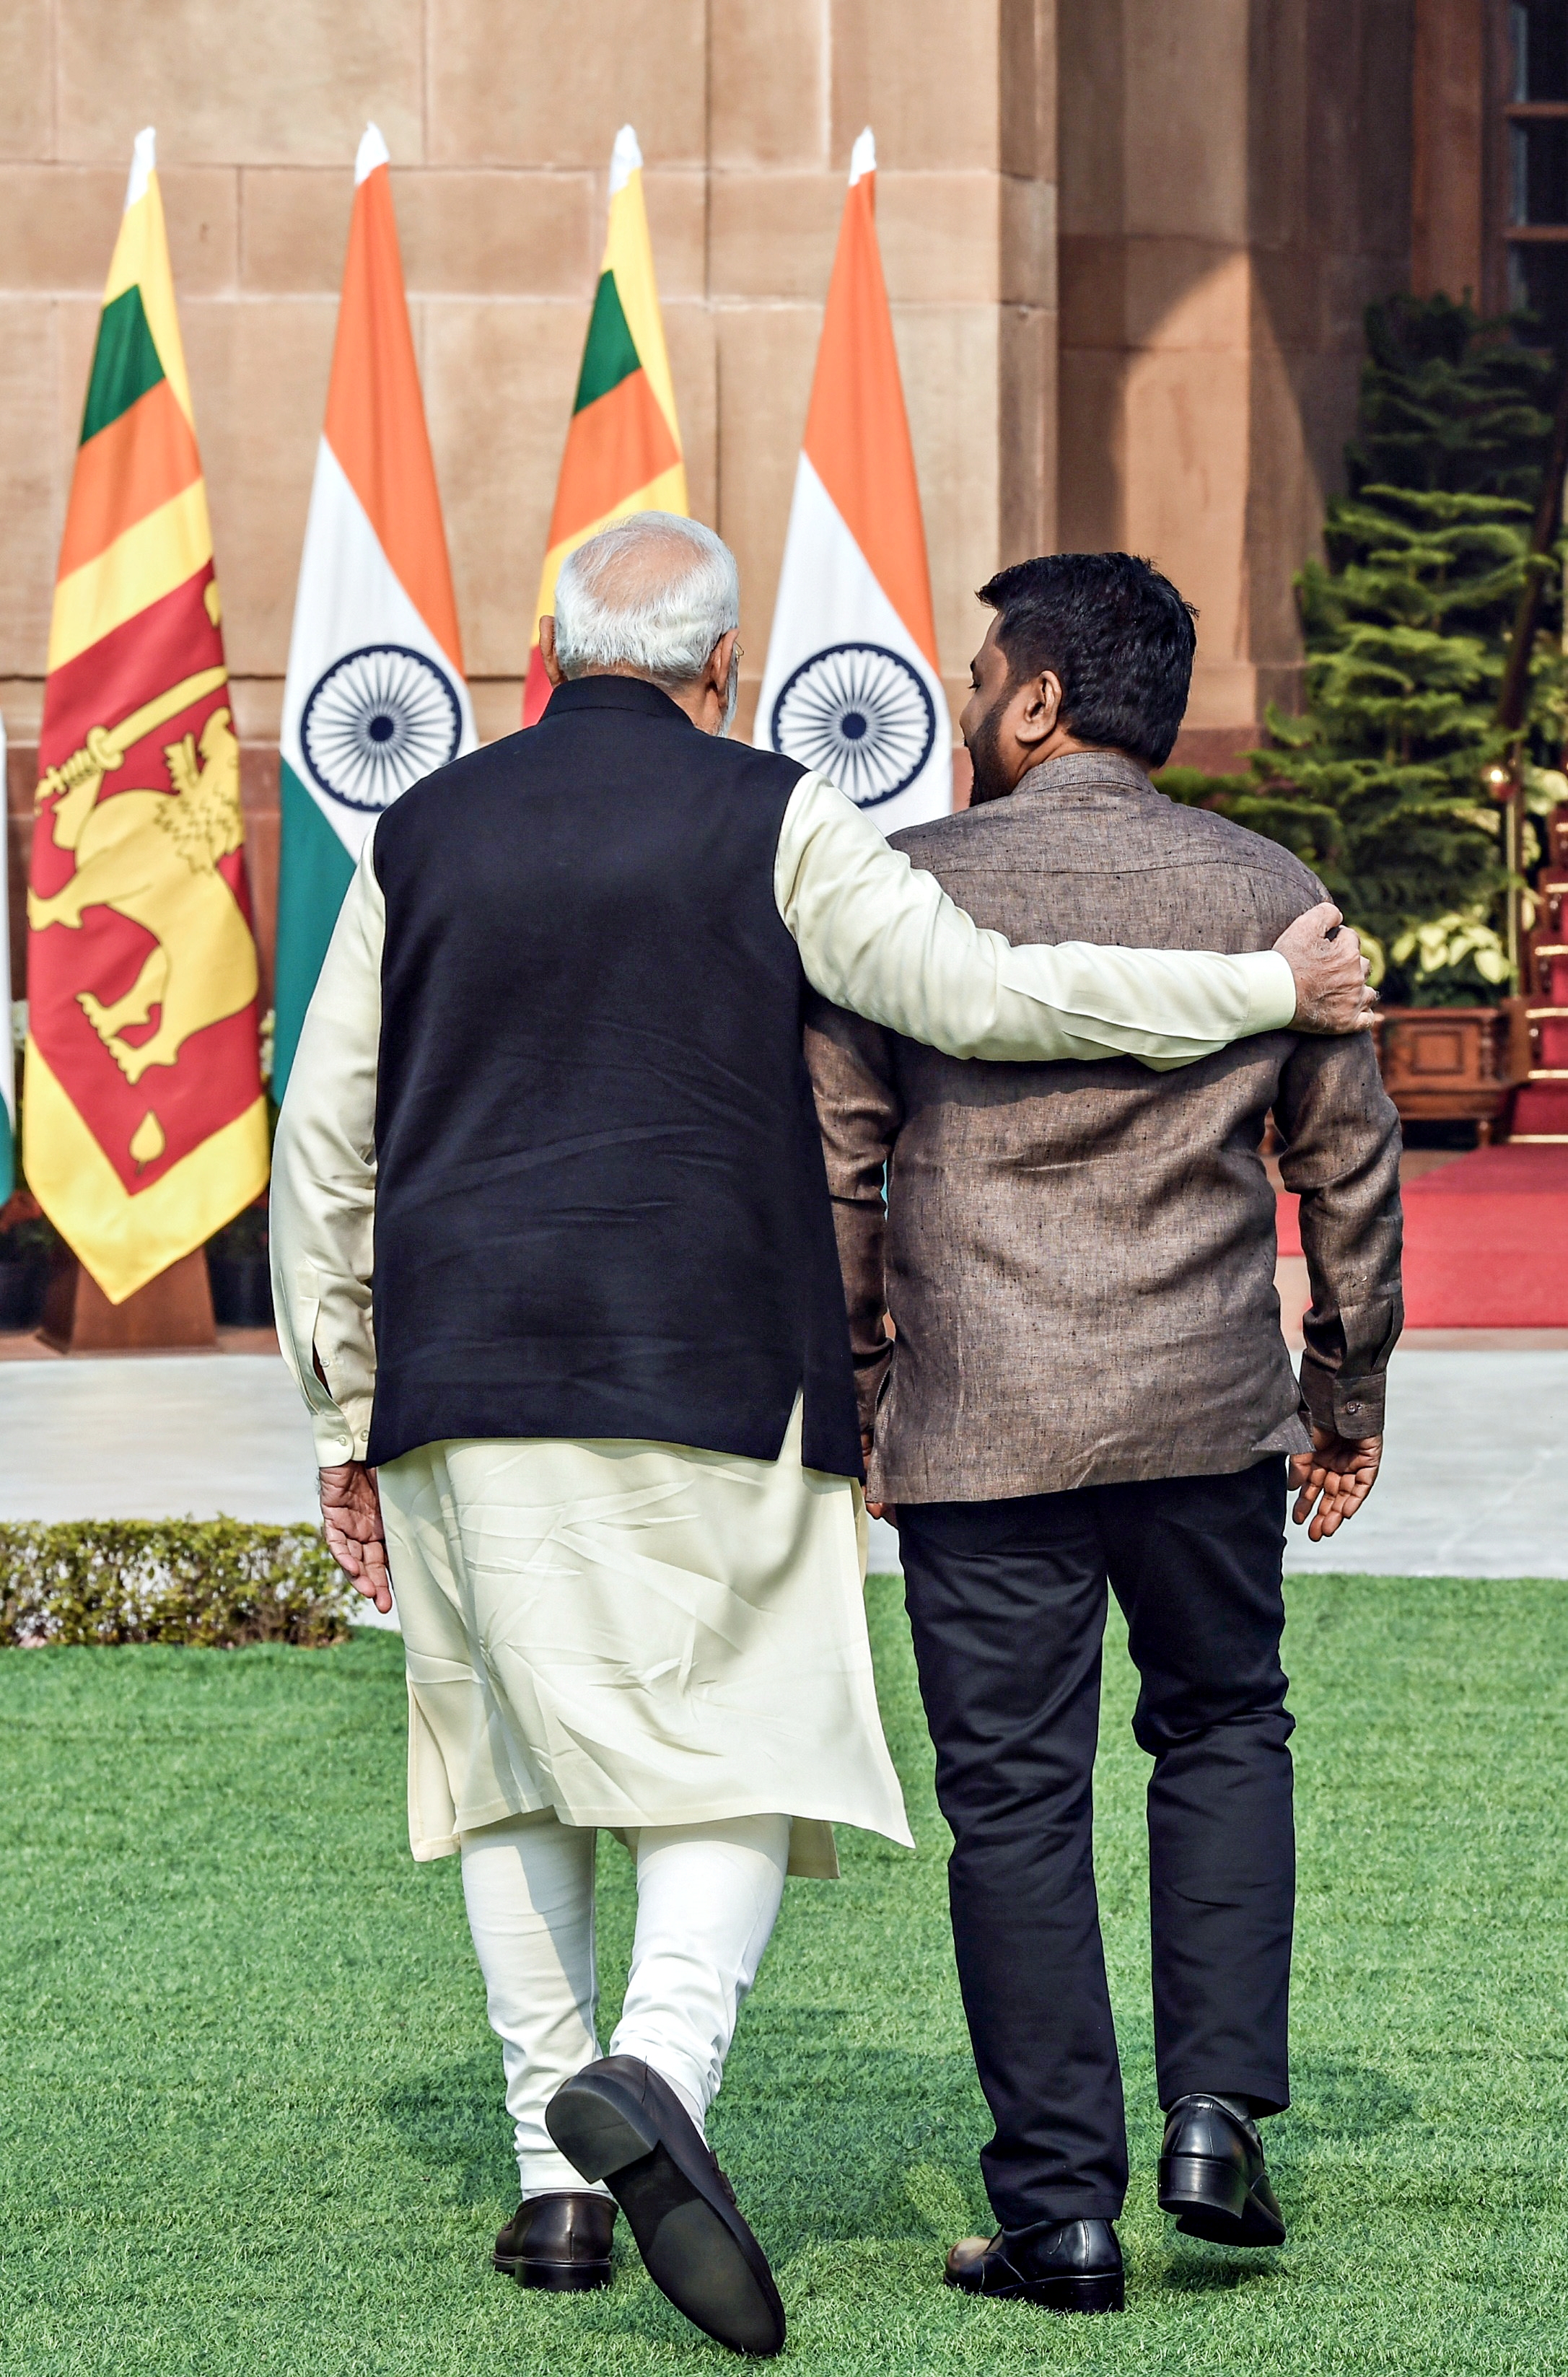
1486	1241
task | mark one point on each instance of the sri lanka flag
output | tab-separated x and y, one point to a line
852	685
144	1126
374	696
623	447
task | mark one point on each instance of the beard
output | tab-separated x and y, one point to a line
990	778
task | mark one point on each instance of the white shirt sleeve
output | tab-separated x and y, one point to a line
323	1204
884	940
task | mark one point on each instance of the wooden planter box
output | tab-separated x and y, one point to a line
1451	1064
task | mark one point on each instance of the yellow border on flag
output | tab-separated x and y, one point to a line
628	253
148	562
131	1239
141	260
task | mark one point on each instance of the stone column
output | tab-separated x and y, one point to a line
1234	189
962	100
1448	151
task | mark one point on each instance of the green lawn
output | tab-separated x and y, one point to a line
250	2122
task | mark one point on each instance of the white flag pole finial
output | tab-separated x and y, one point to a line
625	159
372	152
862	156
144	164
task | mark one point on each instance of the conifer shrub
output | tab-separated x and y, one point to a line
1382	786
212	1583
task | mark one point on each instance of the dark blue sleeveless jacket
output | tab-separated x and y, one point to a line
600	1208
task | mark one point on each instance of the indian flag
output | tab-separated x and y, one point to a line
374	696
852	685
145	1128
7	1058
623	447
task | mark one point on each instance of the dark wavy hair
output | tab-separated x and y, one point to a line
1118	635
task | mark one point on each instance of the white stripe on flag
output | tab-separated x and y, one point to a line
348	598
829	597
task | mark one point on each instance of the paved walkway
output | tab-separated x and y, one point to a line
154	1436
1473	1481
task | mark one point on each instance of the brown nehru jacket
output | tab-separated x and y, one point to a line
1079	1259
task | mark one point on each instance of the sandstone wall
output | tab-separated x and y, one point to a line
1235	187
500	115
1235	183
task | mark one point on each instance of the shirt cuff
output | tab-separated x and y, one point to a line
334	1443
1271	993
1351	1407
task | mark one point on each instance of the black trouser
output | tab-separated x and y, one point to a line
1008	1604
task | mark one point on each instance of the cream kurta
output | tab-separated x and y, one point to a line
613	1629
639	1633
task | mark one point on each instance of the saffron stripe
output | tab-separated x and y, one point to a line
619	442
148	562
376	415
138	462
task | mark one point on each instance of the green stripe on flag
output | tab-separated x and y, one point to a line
609	354
314	872
124	363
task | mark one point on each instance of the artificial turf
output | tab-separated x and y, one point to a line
249	2113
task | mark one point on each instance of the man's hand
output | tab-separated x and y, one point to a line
1332	1480
1332	990
351	1517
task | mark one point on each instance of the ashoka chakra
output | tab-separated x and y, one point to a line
379	719
860	715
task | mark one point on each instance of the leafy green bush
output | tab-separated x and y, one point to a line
214	1583
1383	788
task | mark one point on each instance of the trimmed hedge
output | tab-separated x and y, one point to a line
215	1584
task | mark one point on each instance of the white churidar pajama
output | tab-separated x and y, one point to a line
707	1898
647	1636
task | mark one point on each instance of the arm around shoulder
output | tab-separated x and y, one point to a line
884	940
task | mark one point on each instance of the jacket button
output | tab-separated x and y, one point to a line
1352	1407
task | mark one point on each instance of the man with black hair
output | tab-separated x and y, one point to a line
1087	1384
554	1271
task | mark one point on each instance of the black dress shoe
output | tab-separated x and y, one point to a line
1211	2175
558	2241
1060	2265
618	2121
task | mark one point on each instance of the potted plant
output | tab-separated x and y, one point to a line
1389	785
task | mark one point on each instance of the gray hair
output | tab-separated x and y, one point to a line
652	593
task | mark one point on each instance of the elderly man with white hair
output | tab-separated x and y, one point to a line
554	1269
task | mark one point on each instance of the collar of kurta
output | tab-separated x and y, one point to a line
1075	771
615	693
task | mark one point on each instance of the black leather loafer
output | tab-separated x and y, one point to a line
618	2121
558	2241
1211	2175
1061	2265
